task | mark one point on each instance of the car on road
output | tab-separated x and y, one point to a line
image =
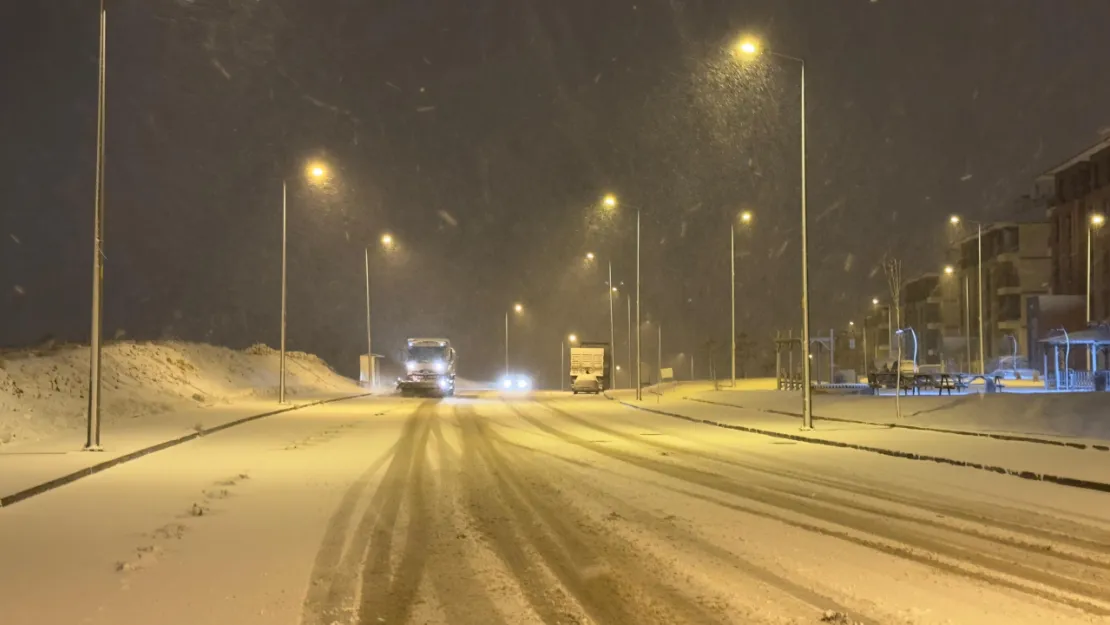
586	383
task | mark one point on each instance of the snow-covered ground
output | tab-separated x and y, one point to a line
1063	415
43	391
503	510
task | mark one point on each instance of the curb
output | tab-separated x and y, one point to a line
27	493
1103	487
920	428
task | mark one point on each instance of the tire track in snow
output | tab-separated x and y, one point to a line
1025	522
333	588
796	591
800	503
608	577
387	594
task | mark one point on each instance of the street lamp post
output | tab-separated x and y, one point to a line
610	201
751	49
612	333
950	270
1096	222
572	339
92	439
517	308
319	173
955	220
745	218
371	369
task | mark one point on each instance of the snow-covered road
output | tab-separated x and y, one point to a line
544	509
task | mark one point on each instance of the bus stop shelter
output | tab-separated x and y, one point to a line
1092	339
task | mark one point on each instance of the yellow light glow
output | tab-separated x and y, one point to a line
747	47
874	301
954	219
746	217
589	255
387	239
573	338
518	307
610	200
949	269
618	367
1098	219
851	323
614	289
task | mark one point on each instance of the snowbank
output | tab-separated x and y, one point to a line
44	391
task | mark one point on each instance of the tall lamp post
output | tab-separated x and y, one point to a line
949	270
1096	222
517	308
751	48
371	369
955	220
610	201
317	174
746	219
571	339
92	439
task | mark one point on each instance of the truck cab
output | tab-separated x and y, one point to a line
429	368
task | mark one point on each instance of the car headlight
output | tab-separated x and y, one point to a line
507	383
410	365
439	366
522	383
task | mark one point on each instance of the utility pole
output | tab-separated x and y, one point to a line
92	439
506	343
370	346
612	334
639	360
628	303
659	356
732	291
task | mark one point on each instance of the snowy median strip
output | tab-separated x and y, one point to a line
920	428
49	485
1027	475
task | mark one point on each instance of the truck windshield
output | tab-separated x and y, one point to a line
427	353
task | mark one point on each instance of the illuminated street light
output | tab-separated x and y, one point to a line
317	174
589	255
955	220
747	47
750	48
1096	221
573	338
517	308
874	301
746	219
949	270
610	201
851	324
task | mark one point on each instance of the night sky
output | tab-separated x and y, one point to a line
482	134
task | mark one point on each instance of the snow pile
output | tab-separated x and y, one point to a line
44	391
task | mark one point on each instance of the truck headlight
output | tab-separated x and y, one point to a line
439	366
410	366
